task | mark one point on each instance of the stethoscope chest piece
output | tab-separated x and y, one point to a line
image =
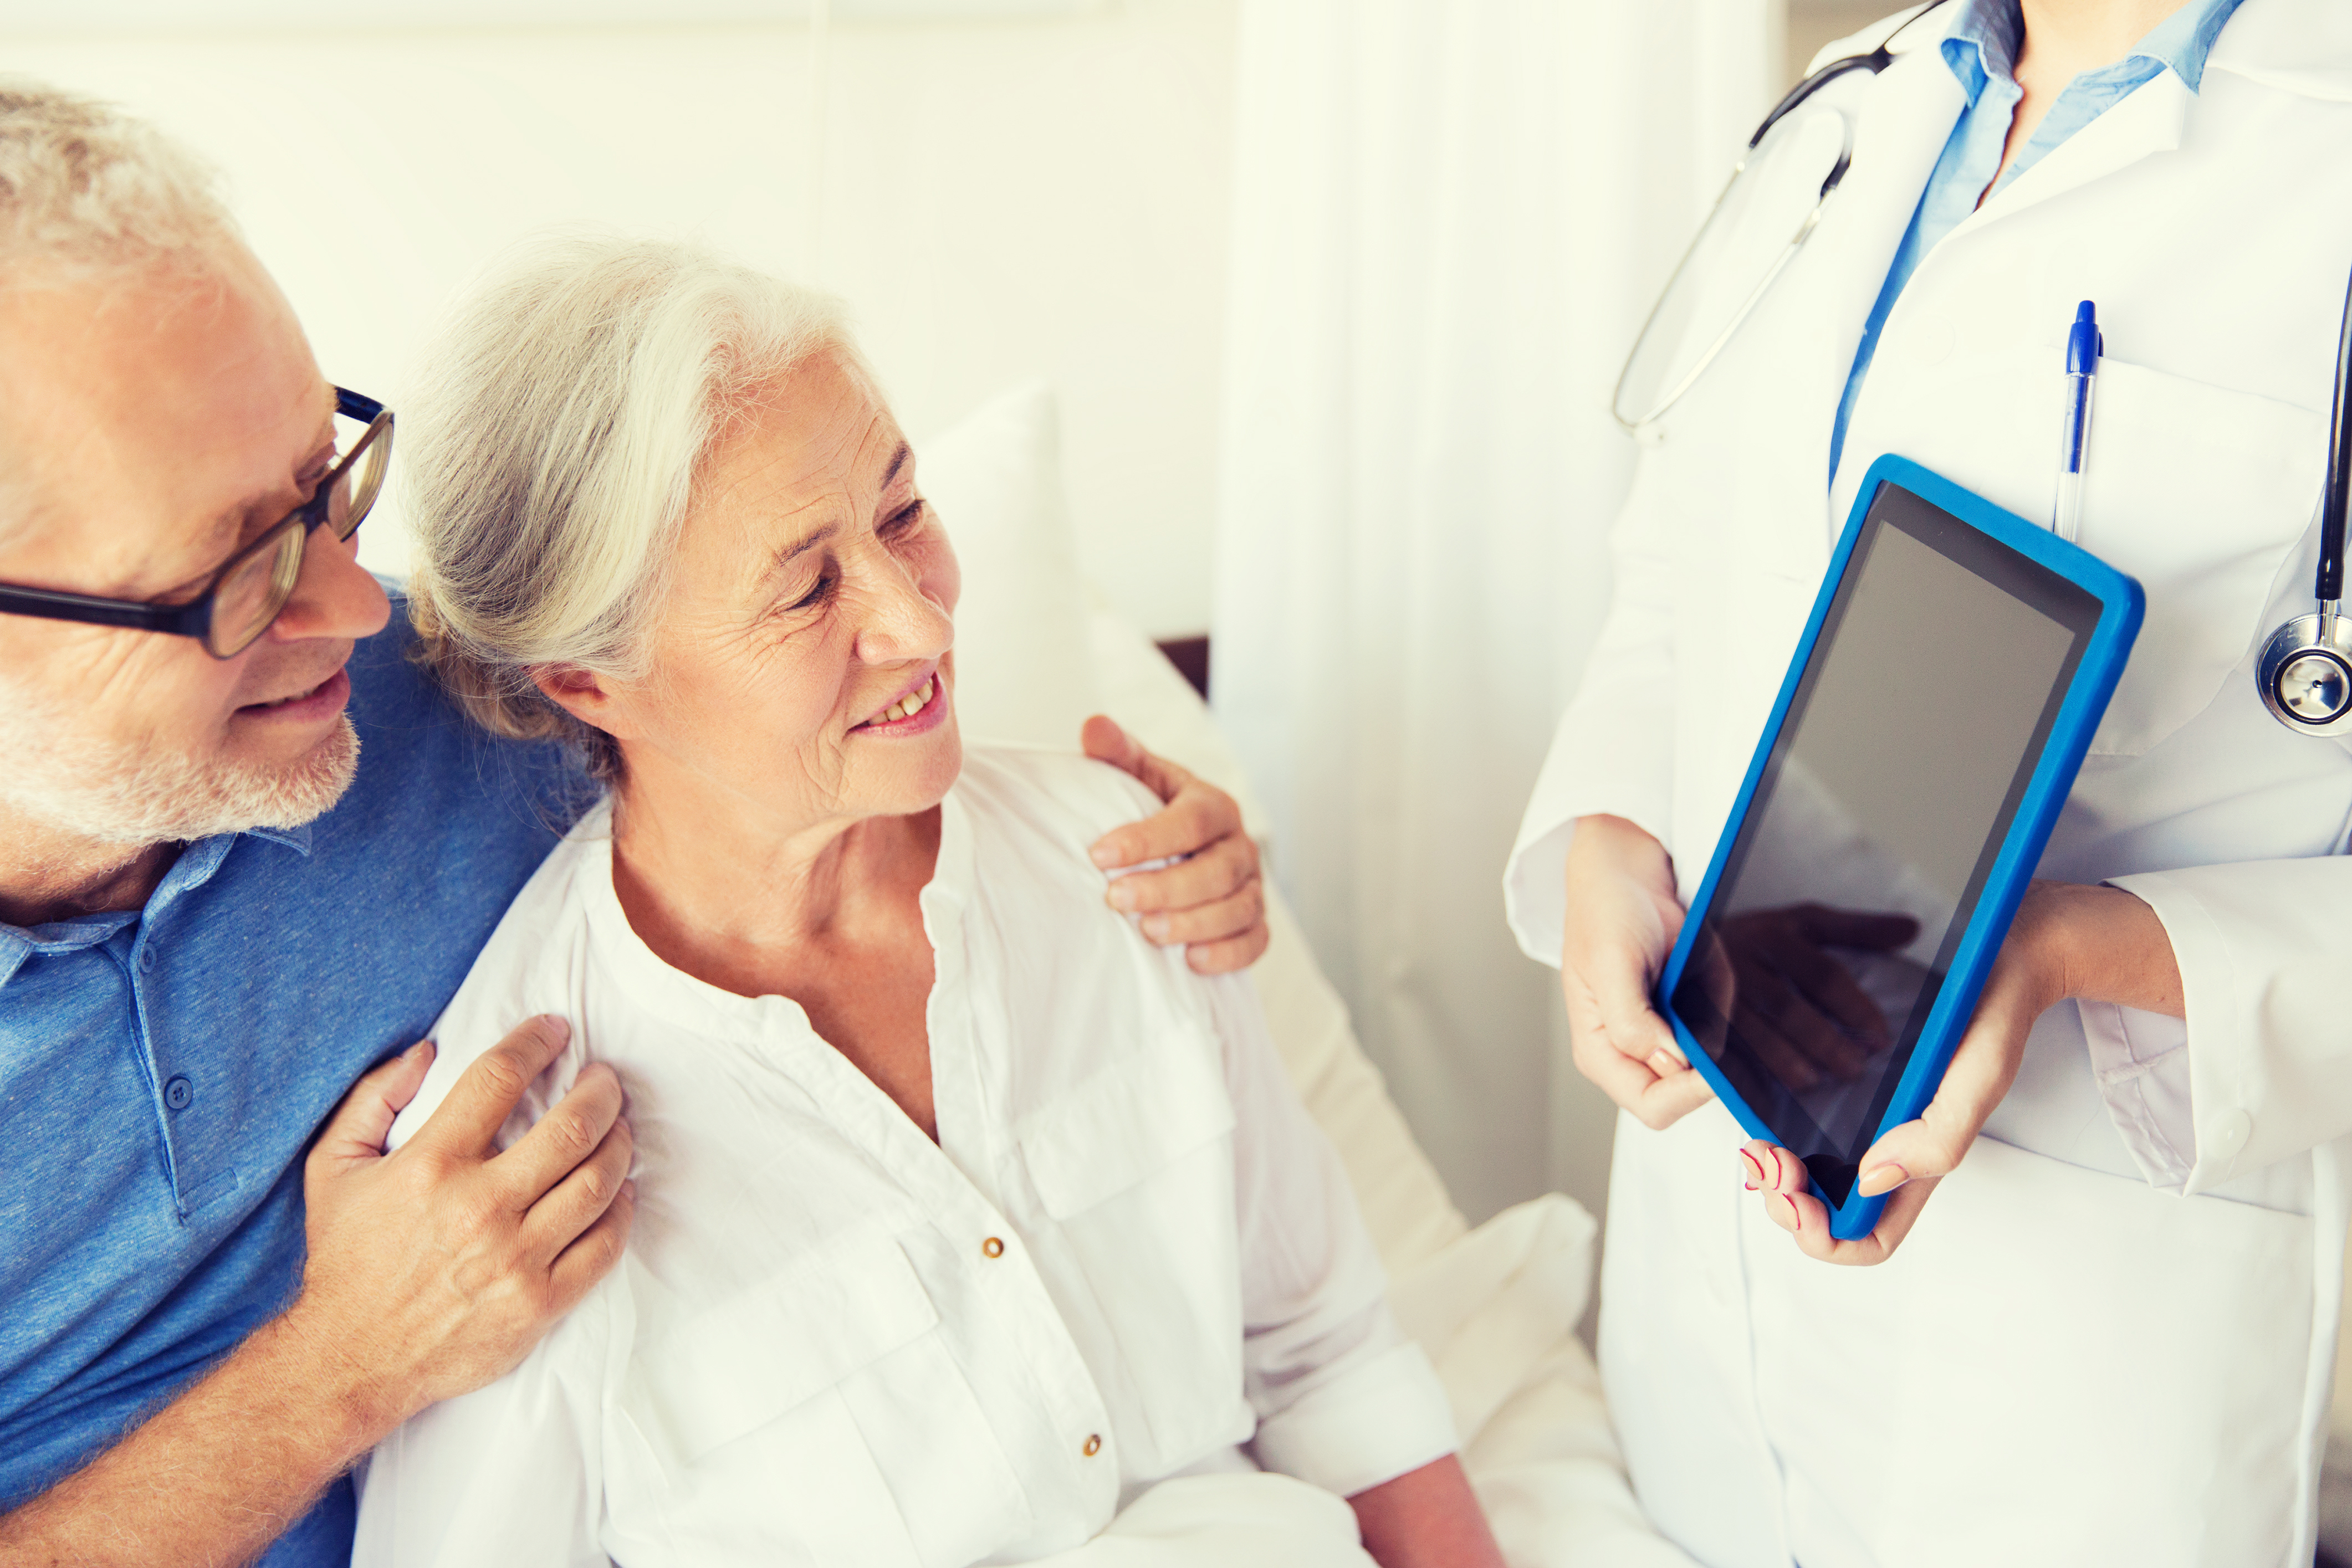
2306	671
2305	674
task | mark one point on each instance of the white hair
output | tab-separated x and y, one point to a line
86	189
553	449
85	186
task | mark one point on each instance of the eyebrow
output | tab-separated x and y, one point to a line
793	551
801	546
228	523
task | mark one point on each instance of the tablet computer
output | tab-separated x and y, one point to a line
1957	660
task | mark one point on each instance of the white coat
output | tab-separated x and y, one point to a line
2096	1347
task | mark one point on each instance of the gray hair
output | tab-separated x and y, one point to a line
560	425
83	186
85	189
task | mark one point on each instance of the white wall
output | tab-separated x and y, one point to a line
1000	199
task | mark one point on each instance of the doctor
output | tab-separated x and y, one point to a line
2106	1335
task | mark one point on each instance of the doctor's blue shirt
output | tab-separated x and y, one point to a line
1982	50
162	1071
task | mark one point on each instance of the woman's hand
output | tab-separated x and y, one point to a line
1210	899
1621	922
2068	940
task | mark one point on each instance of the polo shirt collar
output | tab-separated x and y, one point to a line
297	838
192	869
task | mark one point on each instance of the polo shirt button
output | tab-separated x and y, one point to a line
1094	1445
177	1094
992	1248
146	960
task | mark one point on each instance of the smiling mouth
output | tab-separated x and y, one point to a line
907	707
293	698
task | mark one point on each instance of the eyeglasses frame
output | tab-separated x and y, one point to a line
194	619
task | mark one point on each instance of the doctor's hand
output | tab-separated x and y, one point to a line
1621	921
1210	899
2097	943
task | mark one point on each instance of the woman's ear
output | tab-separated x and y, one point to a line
582	693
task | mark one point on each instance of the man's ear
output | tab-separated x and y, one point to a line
583	695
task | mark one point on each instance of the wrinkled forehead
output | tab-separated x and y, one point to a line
809	445
146	412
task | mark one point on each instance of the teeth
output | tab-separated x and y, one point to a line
912	704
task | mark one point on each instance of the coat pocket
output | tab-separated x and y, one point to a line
2201	493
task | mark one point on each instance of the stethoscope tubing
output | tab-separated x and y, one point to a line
1875	61
2327	583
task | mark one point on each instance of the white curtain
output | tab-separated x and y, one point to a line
1450	217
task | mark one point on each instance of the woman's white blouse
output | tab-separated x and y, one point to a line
836	1341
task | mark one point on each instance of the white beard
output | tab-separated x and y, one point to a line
119	792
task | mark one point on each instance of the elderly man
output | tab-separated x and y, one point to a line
246	854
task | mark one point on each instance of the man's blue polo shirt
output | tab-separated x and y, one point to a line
162	1071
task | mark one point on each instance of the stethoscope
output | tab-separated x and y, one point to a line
2306	671
1664	325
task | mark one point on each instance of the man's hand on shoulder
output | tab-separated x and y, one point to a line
1210	898
435	1268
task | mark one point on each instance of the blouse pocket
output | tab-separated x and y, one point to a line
1136	1166
820	1410
1126	1123
2202	493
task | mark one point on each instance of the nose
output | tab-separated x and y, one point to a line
906	619
334	596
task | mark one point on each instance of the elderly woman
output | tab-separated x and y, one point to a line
967	1218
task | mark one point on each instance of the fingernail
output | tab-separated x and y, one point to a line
1880	1178
558	1026
419	1049
1122	896
1796	1214
1104	855
1663	1062
1753	1171
1156	927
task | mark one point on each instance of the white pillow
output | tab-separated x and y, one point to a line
1022	671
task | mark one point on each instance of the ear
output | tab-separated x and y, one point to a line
585	695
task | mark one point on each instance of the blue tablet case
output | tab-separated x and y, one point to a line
2099	667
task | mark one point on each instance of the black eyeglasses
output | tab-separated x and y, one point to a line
245	596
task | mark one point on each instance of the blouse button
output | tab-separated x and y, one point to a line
992	1248
1094	1445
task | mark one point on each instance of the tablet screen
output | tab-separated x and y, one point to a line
1915	729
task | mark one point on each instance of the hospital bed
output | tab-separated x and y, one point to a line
1496	1307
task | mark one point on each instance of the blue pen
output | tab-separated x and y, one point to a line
2084	346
